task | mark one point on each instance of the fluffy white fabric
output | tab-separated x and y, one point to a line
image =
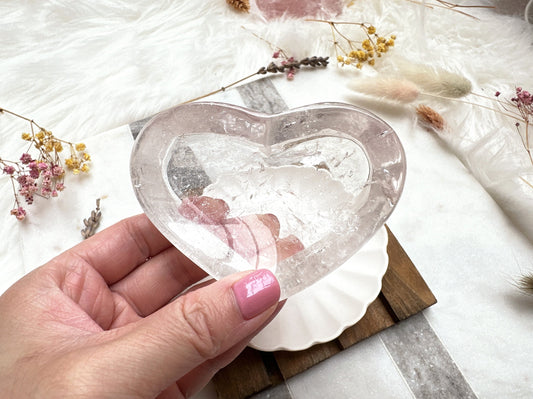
81	68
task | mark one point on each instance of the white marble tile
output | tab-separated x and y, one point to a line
363	371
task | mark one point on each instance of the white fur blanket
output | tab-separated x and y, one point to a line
81	68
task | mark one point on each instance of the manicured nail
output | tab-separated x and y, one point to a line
256	292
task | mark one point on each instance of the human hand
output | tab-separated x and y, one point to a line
98	321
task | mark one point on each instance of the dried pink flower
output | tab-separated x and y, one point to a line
26	158
57	170
19	213
43	175
34	173
9	170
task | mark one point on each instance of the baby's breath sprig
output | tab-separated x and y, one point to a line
358	52
522	105
42	173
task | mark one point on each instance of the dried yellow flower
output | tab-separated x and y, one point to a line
359	51
85	168
69	163
80	147
26	136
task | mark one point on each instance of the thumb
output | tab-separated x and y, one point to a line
197	327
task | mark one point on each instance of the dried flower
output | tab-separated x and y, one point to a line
429	118
240	5
292	65
449	6
289	67
398	90
19	213
42	175
520	107
358	52
434	80
92	222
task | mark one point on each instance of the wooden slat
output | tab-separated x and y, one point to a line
404	288
376	318
292	363
246	375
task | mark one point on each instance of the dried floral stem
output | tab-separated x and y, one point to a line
92	222
272	46
312	62
32	122
42	175
525	181
450	6
510	113
358	52
515	117
223	88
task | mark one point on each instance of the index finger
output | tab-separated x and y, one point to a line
117	250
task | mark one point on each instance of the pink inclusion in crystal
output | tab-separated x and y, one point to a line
272	9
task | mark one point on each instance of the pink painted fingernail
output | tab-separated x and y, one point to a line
256	292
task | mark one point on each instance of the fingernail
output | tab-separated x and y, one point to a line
256	292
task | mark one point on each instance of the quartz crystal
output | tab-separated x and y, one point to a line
271	9
296	193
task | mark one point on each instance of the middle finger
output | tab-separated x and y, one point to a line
154	283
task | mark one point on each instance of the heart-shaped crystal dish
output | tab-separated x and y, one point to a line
297	192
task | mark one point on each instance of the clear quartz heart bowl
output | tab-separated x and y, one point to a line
297	192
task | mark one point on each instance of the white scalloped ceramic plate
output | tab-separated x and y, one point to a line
339	300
